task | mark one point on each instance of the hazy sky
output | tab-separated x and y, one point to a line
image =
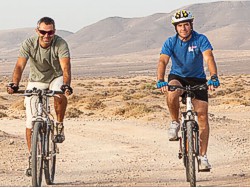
72	15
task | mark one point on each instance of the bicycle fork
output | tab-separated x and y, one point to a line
188	116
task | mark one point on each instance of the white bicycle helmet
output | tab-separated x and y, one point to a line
182	16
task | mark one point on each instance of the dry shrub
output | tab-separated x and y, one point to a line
18	105
245	102
135	96
3	98
130	91
94	104
139	95
75	98
148	86
126	97
3	107
113	83
156	108
73	113
2	115
133	110
80	84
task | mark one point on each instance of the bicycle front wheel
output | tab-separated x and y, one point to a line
191	154
37	155
50	162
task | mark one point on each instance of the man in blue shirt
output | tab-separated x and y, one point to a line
187	50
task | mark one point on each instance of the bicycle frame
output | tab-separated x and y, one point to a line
189	115
43	137
189	141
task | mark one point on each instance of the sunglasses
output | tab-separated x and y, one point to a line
51	32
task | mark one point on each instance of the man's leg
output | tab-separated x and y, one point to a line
60	105
28	138
30	106
201	107
173	103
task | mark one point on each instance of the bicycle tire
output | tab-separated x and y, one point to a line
37	155
191	154
185	153
50	162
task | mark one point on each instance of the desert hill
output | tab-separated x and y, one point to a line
11	40
226	23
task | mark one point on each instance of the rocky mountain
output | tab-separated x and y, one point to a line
226	24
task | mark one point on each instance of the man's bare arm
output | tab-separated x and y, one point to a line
18	70
162	64
66	68
209	59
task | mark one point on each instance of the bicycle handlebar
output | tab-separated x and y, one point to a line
39	92
188	88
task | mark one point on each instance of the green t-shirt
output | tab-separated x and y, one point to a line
44	63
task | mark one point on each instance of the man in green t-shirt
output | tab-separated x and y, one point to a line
50	68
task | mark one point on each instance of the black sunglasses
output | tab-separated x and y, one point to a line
51	32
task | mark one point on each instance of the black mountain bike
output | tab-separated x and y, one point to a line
43	147
189	140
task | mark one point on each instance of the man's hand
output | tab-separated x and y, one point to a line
163	86
213	82
66	89
12	88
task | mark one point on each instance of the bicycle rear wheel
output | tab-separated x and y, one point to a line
50	162
37	155
191	155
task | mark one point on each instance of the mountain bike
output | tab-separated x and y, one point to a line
189	140
43	146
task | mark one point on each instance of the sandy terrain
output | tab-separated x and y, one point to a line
116	135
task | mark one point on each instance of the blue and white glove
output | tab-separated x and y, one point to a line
161	84
214	81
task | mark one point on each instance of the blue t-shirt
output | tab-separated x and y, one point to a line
187	59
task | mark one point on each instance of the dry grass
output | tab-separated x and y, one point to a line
2	114
94	104
133	110
73	113
131	97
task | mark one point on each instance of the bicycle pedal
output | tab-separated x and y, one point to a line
59	139
180	155
28	172
174	139
204	170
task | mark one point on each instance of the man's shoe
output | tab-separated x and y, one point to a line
59	137
203	163
173	131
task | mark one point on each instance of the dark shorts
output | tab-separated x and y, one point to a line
200	95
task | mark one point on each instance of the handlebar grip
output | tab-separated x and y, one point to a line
20	91
58	92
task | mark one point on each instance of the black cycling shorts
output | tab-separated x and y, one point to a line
200	95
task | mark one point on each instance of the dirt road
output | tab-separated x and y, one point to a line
122	153
116	135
